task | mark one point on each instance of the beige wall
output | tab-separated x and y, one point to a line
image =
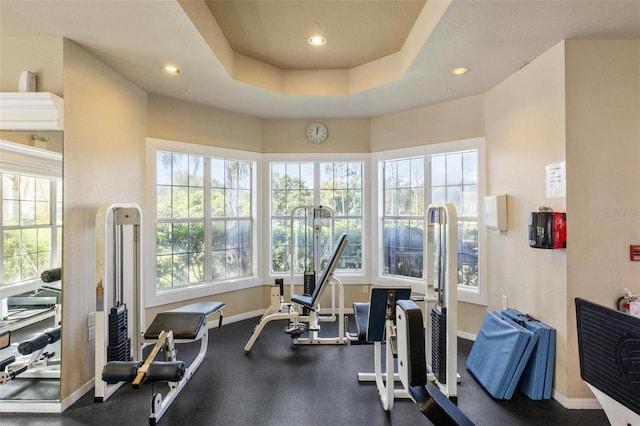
603	164
445	122
40	55
181	121
286	136
105	129
524	123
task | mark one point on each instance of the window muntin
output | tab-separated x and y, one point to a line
452	178
336	185
31	225
203	219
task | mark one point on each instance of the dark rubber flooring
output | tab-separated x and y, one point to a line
278	383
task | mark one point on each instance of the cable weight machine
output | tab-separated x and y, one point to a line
309	241
442	273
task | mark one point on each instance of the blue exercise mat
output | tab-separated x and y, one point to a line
498	353
537	377
523	362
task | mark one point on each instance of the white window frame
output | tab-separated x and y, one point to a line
364	158
475	295
157	297
26	160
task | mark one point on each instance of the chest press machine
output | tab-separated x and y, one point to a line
120	343
279	310
435	355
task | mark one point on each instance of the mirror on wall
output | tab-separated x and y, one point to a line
30	272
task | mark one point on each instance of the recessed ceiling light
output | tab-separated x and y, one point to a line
170	69
460	71
317	40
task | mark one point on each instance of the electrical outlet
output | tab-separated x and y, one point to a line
92	333
505	301
365	289
91	319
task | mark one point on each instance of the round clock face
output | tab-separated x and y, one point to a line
317	133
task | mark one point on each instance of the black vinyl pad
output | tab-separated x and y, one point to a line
185	325
437	407
609	347
361	313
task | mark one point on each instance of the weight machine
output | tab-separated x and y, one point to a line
442	272
119	352
308	243
375	320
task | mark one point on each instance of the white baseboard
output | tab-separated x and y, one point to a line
259	312
577	403
468	336
75	396
30	407
235	318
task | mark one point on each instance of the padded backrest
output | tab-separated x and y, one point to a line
330	268
608	343
378	308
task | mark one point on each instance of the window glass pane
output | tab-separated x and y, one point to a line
217	202
27	213
244	202
217	172
218	264
454	169
470	167
231	202
390	174
180	238
180	204
417	202
27	188
196	171
279	202
278	173
391	202
218	235
196	202
163	168
454	196
180	170
469	200
438	170
163	239
180	269
244	175
404	173
163	201
403	248
306	176
468	253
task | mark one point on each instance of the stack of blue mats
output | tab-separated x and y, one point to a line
537	377
500	354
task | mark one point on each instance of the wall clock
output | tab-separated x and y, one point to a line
317	133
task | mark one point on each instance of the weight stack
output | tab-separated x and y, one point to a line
439	343
119	347
309	286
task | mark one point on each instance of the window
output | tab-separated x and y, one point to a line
336	185
454	179
449	173
31	226
204	211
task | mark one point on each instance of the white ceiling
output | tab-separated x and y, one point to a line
493	38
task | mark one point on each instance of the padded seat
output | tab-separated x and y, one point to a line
185	321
